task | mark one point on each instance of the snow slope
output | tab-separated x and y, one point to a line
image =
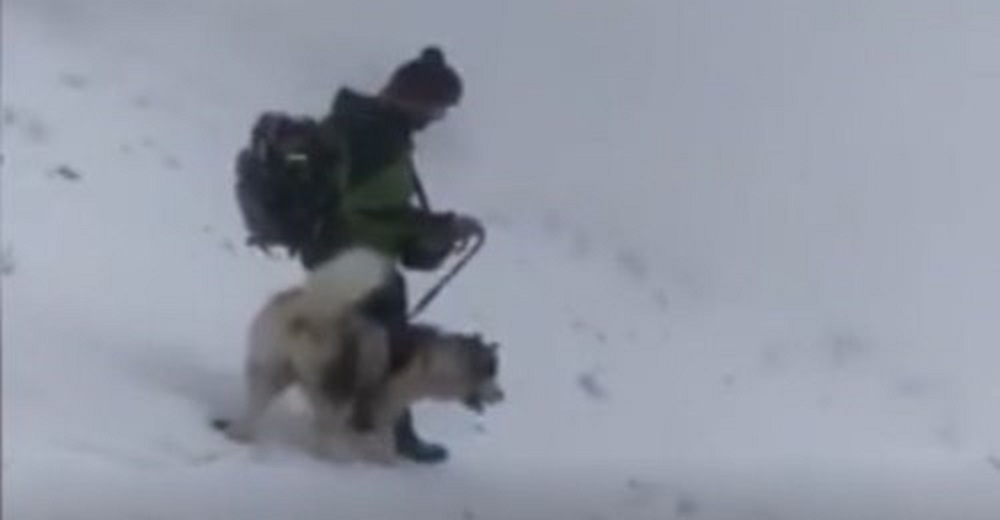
800	328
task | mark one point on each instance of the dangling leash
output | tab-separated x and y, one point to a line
478	238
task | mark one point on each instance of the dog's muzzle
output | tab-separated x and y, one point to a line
487	394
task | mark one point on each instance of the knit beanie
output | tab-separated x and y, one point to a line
426	79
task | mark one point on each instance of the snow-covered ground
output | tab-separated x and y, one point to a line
742	262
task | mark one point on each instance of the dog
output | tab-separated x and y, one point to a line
314	336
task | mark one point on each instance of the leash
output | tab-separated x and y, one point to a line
478	238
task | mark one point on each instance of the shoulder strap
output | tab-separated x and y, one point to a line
418	186
335	144
334	186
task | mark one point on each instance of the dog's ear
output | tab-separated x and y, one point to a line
471	340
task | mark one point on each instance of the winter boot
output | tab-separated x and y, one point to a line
409	445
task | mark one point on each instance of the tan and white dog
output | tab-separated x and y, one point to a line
314	336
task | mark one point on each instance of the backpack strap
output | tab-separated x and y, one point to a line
425	203
336	143
343	167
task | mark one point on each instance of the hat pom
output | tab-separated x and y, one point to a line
432	55
426	78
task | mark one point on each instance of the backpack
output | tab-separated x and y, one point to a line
285	181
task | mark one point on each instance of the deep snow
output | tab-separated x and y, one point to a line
741	259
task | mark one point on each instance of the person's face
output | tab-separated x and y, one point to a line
422	113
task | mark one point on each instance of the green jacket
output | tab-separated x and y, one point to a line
376	180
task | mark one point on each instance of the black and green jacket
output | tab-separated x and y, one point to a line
374	178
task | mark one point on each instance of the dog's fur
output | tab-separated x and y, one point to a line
314	336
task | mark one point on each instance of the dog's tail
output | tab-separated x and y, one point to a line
345	280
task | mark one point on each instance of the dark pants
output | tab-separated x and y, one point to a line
388	306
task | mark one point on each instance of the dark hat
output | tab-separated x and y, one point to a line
426	79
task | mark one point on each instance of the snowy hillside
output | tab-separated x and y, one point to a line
742	259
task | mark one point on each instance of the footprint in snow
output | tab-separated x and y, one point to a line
142	102
65	172
592	386
661	299
7	261
948	435
846	348
773	359
171	162
916	387
641	490
686	506
73	80
29	126
633	265
229	246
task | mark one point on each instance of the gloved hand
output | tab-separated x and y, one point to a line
442	235
462	229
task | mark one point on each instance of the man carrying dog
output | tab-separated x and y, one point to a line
362	189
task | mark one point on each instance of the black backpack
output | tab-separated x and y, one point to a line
286	183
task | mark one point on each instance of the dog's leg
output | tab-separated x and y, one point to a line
367	405
327	427
372	380
377	446
263	384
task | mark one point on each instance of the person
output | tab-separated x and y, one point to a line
380	201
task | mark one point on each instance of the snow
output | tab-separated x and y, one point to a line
741	258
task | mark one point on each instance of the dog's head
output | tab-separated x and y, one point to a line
460	367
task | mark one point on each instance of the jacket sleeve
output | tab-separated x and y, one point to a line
419	238
380	213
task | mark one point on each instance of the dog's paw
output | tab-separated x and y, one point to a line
331	450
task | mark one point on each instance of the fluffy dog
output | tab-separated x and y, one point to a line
314	336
